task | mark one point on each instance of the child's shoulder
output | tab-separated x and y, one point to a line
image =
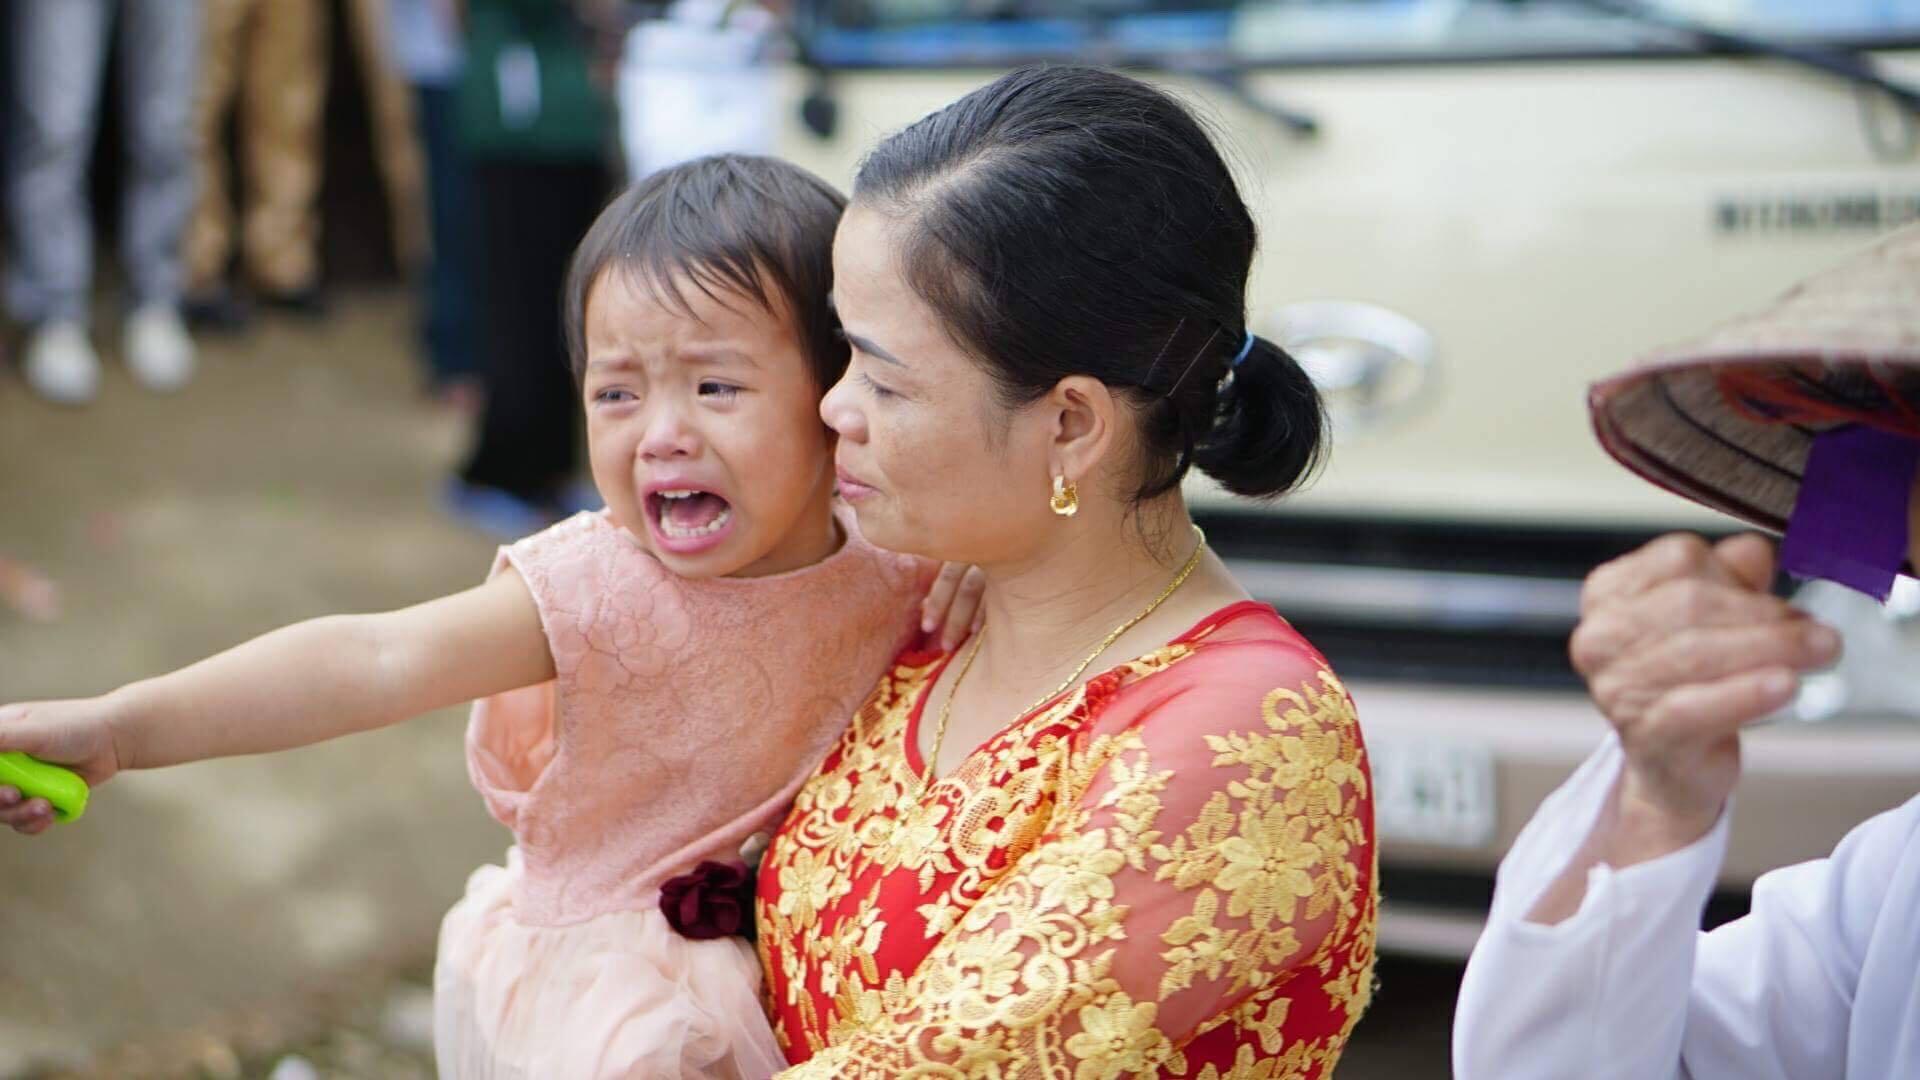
585	527
587	538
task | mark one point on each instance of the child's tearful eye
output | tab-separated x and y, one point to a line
718	390
614	395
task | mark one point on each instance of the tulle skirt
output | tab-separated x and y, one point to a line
620	996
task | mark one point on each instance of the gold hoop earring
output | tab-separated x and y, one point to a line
1066	497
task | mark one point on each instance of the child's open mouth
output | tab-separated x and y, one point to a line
688	513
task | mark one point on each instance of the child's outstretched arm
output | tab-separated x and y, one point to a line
298	685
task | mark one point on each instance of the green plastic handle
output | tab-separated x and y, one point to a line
35	778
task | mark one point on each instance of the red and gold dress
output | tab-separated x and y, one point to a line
1168	871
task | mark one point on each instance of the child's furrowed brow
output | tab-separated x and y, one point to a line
621	362
721	355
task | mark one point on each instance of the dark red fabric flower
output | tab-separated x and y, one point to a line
714	901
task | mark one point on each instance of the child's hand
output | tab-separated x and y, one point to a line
76	734
952	606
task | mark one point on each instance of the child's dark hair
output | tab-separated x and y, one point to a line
726	223
1072	221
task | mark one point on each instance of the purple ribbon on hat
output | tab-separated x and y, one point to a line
1850	522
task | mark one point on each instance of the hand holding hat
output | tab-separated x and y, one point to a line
1802	418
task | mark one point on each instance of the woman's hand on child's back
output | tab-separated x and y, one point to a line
952	606
76	734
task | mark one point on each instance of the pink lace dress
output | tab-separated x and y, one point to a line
684	717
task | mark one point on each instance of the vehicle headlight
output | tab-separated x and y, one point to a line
1370	363
1878	677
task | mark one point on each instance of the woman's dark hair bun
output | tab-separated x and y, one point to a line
1269	432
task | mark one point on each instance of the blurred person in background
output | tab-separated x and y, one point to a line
268	57
427	52
266	63
392	129
59	53
1803	419
534	124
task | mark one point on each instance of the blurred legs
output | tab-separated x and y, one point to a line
59	50
161	47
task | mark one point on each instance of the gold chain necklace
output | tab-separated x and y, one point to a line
946	707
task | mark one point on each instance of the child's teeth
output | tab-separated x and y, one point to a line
679	532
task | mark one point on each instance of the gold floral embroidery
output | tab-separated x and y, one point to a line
1079	874
1117	1038
1021	869
806	884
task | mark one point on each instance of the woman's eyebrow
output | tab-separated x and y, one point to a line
874	350
865	345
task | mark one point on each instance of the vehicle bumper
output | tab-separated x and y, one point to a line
1803	787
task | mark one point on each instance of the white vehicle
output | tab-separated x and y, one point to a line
1471	210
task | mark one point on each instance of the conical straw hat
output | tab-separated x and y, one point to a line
1727	420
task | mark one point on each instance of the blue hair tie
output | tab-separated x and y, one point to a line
1245	348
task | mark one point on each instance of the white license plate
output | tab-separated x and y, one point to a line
1432	791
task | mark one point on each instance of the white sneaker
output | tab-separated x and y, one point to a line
159	351
61	365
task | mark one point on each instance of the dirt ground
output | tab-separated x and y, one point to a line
274	917
297	476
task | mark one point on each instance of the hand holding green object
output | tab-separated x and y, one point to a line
37	779
52	753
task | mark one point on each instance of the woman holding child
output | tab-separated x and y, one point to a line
1126	829
1123	829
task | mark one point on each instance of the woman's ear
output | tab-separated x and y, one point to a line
1085	418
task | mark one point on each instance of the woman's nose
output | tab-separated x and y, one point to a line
838	410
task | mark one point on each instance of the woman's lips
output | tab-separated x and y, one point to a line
852	489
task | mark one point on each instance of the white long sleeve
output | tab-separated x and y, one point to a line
1812	984
1542	1002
